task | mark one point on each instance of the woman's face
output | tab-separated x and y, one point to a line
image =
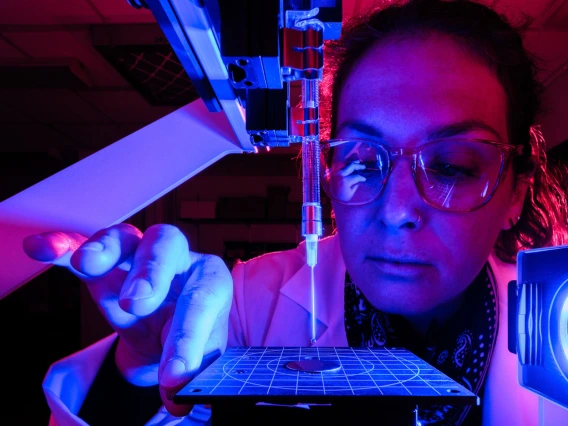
406	256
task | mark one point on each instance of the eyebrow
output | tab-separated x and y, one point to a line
440	132
455	129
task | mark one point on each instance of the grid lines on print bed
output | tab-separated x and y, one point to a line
262	371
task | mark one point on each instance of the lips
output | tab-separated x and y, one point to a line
403	260
400	267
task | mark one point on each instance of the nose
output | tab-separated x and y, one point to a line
400	206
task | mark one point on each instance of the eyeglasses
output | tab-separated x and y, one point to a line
458	175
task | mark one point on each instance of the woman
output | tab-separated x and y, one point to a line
437	179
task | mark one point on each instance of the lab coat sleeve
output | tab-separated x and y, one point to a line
67	383
237	317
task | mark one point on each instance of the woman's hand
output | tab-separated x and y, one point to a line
169	306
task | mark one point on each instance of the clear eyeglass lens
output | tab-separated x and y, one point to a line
354	172
452	174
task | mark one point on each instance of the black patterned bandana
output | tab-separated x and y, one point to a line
461	348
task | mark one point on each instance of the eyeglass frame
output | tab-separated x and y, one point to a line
507	151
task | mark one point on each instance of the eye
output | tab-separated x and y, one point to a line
451	170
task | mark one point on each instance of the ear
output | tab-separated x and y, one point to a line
518	196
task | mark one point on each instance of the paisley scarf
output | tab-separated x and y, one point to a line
461	348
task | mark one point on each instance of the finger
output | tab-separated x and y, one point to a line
106	249
355	179
212	352
352	167
202	308
338	167
162	254
178	409
52	247
175	409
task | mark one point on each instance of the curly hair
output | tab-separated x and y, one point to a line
491	39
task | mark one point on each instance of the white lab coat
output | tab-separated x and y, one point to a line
271	307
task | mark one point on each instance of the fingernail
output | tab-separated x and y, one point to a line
43	248
172	373
93	245
139	289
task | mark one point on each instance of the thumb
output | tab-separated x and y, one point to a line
199	327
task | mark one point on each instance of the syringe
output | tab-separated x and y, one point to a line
303	61
311	208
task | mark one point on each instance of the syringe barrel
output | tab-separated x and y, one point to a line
311	208
311	220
